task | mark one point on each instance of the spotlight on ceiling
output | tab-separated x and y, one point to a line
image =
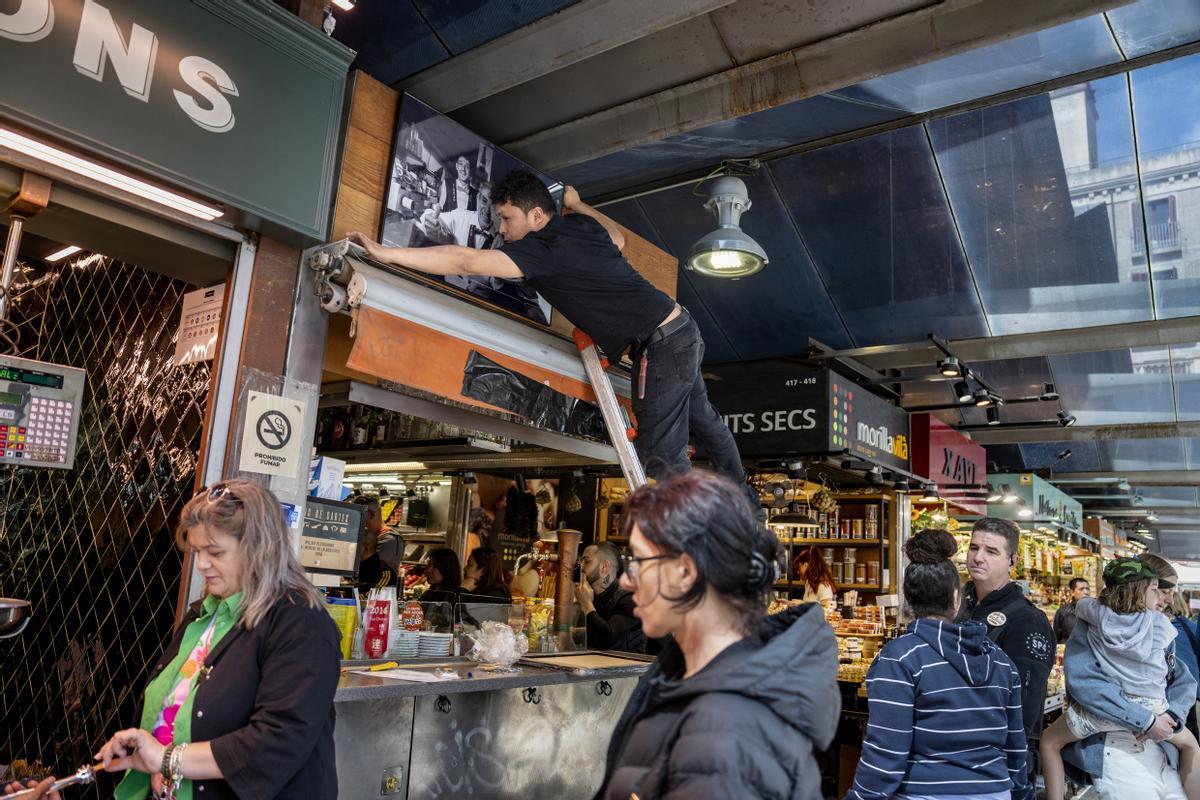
1066	419
1138	500
727	252
931	494
1007	495
1123	485
875	474
950	367
993	415
1064	455
1024	510
1152	517
962	392
994	495
984	398
1048	392
344	5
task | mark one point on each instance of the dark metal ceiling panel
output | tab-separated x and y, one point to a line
1023	61
391	38
767	315
1042	247
761	132
466	24
878	226
1084	456
1148	26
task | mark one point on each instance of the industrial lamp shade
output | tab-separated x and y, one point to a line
727	252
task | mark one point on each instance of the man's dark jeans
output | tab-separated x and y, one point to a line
676	402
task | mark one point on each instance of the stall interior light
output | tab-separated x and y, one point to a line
931	495
389	466
994	495
1023	510
344	5
1007	495
102	174
59	255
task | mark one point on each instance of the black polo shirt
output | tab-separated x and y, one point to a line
574	264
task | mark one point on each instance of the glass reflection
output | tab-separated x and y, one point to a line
1023	61
1135	455
1148	26
1166	103
877	224
1041	188
1115	387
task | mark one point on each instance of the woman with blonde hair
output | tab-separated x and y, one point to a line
241	703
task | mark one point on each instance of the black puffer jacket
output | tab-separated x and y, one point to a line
744	726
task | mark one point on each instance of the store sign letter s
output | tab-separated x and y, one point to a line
101	42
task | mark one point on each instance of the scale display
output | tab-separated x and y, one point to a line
39	412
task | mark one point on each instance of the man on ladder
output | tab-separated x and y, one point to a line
575	262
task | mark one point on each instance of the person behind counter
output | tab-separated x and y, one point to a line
1014	623
737	701
607	606
1064	618
814	572
483	576
945	702
444	576
241	703
381	551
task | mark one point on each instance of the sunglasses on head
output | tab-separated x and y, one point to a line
219	491
1166	585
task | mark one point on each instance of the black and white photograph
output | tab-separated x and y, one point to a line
439	192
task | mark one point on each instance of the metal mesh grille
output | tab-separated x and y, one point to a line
92	548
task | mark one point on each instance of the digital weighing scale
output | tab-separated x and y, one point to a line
39	412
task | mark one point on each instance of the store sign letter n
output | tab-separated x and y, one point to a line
101	42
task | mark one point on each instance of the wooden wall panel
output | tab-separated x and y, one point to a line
362	185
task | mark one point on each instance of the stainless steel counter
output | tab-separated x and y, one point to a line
530	734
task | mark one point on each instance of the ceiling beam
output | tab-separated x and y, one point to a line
905	40
1121	336
1087	433
576	33
1155	477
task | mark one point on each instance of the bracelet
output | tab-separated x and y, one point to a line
165	767
176	775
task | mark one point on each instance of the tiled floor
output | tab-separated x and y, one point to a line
91	547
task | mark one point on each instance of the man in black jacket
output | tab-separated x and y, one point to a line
1015	624
611	624
1064	618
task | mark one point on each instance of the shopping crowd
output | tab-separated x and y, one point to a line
738	703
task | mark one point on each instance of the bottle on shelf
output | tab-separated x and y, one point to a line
359	431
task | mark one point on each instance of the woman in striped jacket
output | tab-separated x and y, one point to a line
945	701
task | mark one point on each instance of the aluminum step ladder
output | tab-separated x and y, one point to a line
620	431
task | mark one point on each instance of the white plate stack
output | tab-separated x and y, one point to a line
405	644
433	645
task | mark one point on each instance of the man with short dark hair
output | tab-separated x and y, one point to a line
575	262
611	624
1064	618
1020	629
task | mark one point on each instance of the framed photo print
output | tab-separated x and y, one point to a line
440	192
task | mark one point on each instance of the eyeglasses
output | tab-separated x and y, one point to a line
218	492
630	565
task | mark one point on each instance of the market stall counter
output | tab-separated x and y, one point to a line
453	728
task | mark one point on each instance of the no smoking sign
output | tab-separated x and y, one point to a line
270	440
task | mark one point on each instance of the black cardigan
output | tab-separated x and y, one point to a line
266	706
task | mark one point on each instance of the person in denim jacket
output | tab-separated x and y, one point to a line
1137	763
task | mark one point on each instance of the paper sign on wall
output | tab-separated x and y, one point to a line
271	435
199	325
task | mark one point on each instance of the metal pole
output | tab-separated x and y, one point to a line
16	225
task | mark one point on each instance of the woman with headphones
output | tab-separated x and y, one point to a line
737	701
